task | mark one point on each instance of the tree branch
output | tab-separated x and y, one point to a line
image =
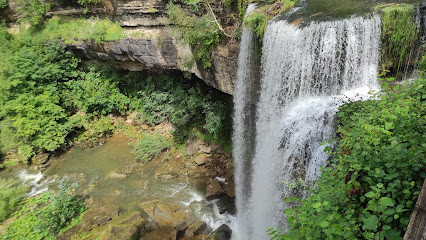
215	20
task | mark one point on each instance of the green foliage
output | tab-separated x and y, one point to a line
94	129
3	4
370	188
258	22
258	19
33	11
400	36
10	196
86	3
94	94
43	216
31	79
180	103
201	33
150	146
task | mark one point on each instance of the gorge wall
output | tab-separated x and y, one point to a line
154	47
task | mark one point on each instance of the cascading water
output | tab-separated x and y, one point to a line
245	97
307	73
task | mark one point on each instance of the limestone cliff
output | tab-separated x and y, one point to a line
154	47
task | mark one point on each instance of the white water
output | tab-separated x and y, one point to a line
244	122
307	73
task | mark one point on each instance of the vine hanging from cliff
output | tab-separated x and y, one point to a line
197	23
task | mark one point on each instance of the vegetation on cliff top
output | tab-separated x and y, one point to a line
258	19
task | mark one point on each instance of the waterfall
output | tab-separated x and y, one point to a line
306	74
245	97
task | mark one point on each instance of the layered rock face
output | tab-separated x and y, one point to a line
150	44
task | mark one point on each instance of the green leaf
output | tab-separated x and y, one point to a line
371	222
385	201
324	224
316	205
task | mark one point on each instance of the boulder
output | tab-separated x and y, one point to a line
148	207
166	233
200	160
230	189
205	149
171	215
221	233
196	228
123	227
40	158
192	148
214	189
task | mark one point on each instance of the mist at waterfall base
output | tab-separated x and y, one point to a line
306	74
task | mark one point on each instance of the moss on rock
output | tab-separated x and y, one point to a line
400	37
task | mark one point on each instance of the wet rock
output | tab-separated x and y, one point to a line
230	189
200	160
171	215
166	233
124	227
214	190
40	158
121	232
221	233
166	176
148	207
196	228
91	219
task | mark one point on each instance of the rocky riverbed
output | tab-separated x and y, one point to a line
184	193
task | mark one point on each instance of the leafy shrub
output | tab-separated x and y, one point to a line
182	104
31	76
33	11
201	33
370	188
10	195
97	95
3	4
43	216
258	19
150	146
400	35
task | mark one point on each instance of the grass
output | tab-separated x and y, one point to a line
73	30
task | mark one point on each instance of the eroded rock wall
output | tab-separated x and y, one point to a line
150	44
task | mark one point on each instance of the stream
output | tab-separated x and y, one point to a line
108	175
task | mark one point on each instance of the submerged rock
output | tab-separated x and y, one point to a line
166	176
115	175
